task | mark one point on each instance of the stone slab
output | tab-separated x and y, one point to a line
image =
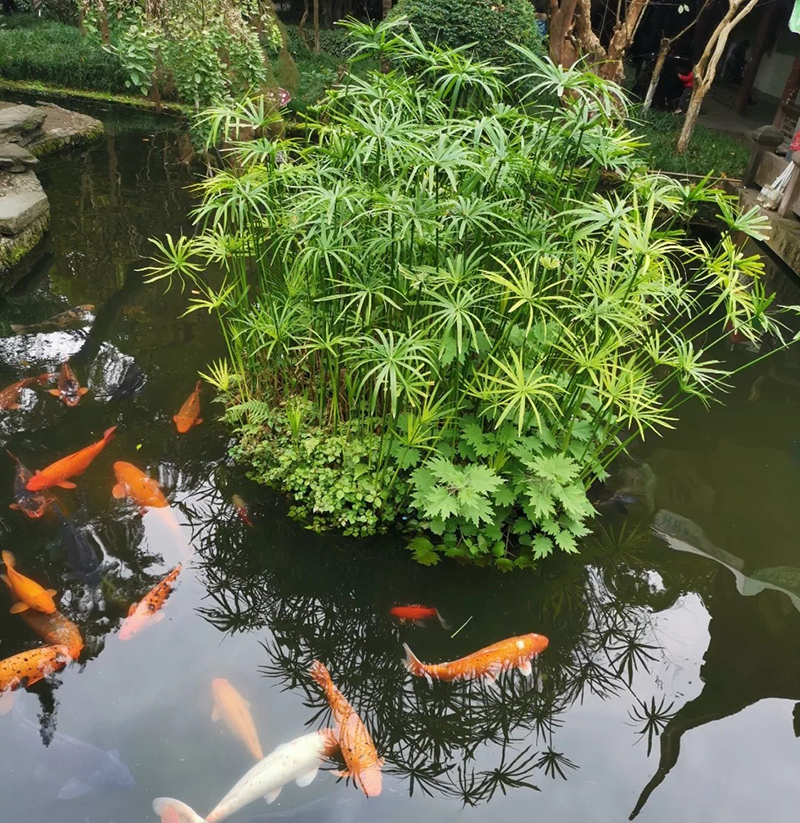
18	211
15	158
21	124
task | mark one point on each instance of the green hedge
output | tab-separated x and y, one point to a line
487	23
56	53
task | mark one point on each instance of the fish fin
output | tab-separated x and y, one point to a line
180	811
72	788
215	715
175	419
114	753
198	421
8	559
158	617
14	406
272	796
54	392
17	329
66	484
344	773
18	607
118	491
525	668
14	506
5	580
132	609
307	778
413	664
490	680
419	623
442	622
198	385
108	432
51	592
6	702
83	390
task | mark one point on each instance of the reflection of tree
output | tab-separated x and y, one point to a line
463	740
747	636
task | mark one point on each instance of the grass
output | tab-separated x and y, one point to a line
55	53
710	151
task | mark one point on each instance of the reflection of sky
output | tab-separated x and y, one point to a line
40	349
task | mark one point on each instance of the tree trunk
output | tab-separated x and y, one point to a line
706	69
663	52
790	89
316	25
387	7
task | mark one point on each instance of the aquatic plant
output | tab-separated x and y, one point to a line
475	288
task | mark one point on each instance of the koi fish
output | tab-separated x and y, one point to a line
241	509
417	615
358	750
9	397
148	609
234	710
297	760
189	415
54	629
28	592
60	321
69	388
26	668
56	474
134	483
29	503
515	652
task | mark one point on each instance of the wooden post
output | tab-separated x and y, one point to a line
766	30
766	139
789	93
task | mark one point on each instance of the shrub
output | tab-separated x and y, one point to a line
487	24
478	298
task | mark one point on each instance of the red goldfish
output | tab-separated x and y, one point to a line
29	503
148	609
515	652
241	509
189	415
56	474
28	592
358	750
26	668
69	389
234	711
9	397
134	483
417	614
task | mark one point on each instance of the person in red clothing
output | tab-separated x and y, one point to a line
688	84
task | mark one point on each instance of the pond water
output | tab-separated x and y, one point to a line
671	685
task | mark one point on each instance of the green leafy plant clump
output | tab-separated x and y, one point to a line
487	26
457	300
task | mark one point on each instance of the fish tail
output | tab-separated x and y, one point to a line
16	328
444	624
46	377
413	663
319	674
12	456
198	386
8	559
108	432
169	809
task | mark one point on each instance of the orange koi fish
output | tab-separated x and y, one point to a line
26	668
358	750
28	592
234	710
9	397
148	609
189	415
417	615
134	483
56	474
29	503
69	389
515	652
241	509
56	630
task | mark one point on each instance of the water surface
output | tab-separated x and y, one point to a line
671	687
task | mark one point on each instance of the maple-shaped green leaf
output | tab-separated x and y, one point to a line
521	526
540	501
472	432
573	499
542	546
445	471
504	496
582	430
550	526
423	479
483	479
547	437
406	457
475	508
504	564
423	551
575	527
566	542
556	467
525	561
440	503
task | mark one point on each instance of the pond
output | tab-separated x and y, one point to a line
671	685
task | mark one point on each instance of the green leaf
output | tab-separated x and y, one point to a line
440	503
424	551
556	467
504	496
504	564
573	499
483	479
521	526
566	542
542	546
540	501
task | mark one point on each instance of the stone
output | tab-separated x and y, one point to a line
15	158
17	211
21	124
